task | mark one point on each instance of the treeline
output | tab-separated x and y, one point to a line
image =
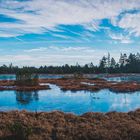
126	64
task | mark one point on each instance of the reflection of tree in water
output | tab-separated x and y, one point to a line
25	97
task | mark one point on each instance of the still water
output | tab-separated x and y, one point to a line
50	76
130	78
76	102
41	76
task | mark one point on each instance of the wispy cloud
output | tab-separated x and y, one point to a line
131	23
61	50
35	50
83	29
38	15
58	55
120	38
4	33
53	55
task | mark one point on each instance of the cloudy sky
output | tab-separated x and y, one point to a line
55	32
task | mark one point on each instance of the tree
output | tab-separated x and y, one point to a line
24	77
113	63
108	60
102	66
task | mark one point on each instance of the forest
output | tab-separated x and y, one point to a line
107	64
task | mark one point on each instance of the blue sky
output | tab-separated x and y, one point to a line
55	32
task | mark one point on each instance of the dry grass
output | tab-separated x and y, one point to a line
76	84
60	126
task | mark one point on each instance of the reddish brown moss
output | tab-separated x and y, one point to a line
75	85
61	126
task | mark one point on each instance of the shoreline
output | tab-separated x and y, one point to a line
73	84
57	125
93	85
86	75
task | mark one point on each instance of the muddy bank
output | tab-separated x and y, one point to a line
93	85
10	85
75	85
60	126
25	88
121	75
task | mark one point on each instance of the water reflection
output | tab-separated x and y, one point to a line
25	97
77	102
131	78
7	77
41	76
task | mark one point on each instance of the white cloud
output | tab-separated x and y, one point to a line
92	26
39	15
120	38
54	55
131	22
61	50
58	55
4	33
36	50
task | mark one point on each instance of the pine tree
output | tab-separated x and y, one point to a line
113	63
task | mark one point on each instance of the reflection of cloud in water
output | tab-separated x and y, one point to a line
56	91
121	103
87	83
77	102
130	78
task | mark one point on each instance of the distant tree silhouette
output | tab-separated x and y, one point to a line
127	64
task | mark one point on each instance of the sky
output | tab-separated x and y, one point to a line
56	32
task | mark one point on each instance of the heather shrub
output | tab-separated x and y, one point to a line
20	131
